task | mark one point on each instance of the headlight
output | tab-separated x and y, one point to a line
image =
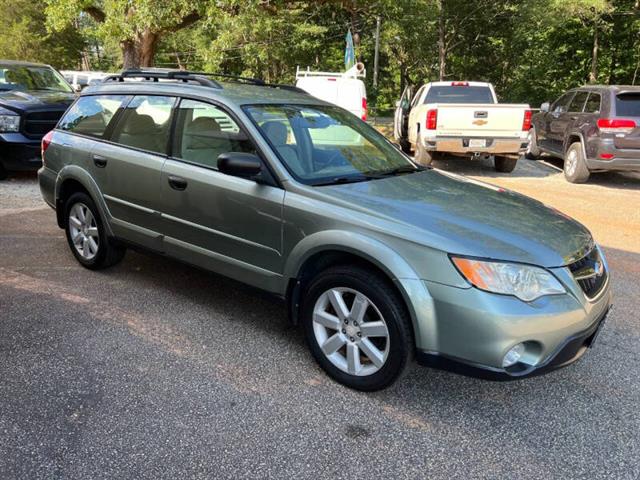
9	123
523	281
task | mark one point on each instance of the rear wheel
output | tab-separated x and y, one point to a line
575	167
422	156
86	234
357	327
505	164
532	152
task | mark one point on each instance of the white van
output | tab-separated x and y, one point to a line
343	89
79	80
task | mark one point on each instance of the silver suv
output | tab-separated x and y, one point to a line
380	260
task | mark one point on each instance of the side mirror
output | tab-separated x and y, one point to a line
544	107
239	164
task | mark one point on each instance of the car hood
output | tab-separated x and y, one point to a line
466	217
35	99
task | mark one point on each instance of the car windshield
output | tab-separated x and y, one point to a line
19	77
459	94
323	145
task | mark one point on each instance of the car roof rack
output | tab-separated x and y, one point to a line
156	75
198	77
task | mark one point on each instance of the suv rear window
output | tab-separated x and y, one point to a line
459	94
628	104
91	115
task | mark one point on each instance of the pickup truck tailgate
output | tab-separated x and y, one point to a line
480	120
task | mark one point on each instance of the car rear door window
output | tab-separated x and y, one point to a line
145	123
593	103
204	131
628	104
91	115
577	104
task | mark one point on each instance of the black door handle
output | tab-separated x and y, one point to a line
99	161
177	183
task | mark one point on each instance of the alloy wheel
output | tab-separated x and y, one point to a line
351	331
572	161
84	231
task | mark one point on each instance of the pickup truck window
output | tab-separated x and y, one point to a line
628	105
459	94
17	77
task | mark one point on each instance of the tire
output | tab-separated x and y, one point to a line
505	164
532	152
3	172
353	362
422	156
94	249
575	168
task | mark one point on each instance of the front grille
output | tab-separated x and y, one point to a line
590	272
37	124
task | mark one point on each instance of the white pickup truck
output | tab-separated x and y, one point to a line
463	119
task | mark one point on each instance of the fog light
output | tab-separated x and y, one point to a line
513	355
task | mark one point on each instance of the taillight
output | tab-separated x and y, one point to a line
46	141
432	119
526	123
364	108
459	84
615	125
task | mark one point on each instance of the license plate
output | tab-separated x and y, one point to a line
477	143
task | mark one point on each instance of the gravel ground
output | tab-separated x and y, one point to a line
156	370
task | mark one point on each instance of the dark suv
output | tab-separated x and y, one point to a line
33	97
593	128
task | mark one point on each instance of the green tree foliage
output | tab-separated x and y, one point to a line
25	37
531	50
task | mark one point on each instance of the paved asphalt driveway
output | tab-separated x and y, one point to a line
153	369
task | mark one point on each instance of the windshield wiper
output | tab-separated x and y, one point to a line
400	170
343	180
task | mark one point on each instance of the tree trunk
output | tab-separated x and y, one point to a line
130	58
593	76
442	50
141	52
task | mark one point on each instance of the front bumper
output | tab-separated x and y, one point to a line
569	351
19	153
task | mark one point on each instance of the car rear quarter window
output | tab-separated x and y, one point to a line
204	131
593	103
459	94
577	104
145	123
91	115
628	104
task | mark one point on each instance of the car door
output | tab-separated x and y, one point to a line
557	119
412	129
228	224
575	115
401	117
129	168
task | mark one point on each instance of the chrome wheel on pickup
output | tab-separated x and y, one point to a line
357	327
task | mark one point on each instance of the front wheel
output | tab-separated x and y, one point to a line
575	168
505	164
3	172
357	327
86	234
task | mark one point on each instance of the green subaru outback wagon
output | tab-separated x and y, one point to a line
380	260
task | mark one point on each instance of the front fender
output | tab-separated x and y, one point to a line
413	290
80	175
